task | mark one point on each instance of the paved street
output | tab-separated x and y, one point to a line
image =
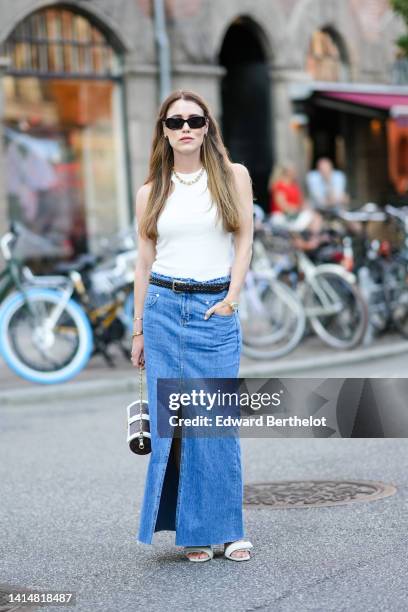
71	493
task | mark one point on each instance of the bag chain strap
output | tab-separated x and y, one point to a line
141	444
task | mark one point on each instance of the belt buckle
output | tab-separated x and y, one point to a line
178	281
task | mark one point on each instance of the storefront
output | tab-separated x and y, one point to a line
63	126
363	129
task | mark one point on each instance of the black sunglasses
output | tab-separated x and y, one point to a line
176	123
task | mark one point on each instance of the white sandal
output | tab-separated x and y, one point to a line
193	549
238	545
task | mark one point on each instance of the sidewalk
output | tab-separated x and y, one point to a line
100	379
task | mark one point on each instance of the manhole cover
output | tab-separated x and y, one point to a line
305	493
7	606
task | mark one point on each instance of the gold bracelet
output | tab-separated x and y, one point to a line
137	334
138	318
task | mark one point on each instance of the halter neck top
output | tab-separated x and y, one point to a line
191	242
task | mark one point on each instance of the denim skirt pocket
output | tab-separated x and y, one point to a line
224	327
211	302
151	298
223	316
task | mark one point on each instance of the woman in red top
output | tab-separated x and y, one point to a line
285	193
287	204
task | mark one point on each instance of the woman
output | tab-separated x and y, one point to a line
187	325
287	205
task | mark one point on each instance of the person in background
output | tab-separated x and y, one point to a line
288	207
327	186
327	189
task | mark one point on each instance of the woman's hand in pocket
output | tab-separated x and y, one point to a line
221	308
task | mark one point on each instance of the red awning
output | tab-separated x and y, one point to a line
373	100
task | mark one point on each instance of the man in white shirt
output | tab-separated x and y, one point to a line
327	190
326	186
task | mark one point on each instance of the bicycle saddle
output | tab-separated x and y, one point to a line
368	212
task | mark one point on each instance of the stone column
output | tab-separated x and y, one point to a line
290	139
141	104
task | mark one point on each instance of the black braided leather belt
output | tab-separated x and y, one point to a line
182	286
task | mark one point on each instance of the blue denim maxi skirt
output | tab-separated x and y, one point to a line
204	503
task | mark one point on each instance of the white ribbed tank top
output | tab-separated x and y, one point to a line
190	243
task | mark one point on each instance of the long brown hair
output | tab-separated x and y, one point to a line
214	158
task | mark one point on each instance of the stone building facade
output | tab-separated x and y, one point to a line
264	66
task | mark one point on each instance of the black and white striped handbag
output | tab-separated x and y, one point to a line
138	429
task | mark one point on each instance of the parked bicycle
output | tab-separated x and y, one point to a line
396	276
44	334
271	314
370	265
333	303
51	325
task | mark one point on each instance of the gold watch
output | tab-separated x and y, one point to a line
232	305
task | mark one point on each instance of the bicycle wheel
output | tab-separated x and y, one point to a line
276	326
37	349
336	309
396	294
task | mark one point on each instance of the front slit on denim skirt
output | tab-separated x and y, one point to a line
203	503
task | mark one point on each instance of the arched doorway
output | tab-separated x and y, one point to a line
63	133
246	103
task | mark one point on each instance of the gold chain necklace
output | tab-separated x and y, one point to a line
197	178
